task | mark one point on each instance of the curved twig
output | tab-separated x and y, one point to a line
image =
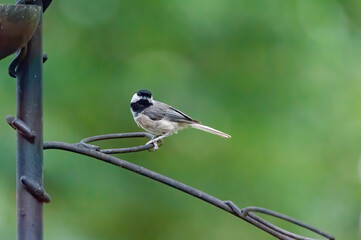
94	151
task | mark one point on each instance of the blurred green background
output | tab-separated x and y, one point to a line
282	77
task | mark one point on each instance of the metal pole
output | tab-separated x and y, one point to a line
30	151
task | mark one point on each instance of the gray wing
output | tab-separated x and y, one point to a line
161	110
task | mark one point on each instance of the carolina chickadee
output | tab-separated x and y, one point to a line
161	119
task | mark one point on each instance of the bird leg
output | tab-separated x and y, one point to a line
155	140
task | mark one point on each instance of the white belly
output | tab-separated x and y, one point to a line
158	127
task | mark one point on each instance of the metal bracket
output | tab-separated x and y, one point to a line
22	127
13	66
35	189
45	57
246	213
85	142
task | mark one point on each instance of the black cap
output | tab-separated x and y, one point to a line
144	93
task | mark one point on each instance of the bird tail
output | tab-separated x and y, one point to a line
209	129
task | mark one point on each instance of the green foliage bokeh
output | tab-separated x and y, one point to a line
282	77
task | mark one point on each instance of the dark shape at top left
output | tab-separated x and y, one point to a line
17	25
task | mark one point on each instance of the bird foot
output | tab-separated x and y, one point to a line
156	142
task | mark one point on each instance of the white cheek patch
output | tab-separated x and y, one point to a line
135	98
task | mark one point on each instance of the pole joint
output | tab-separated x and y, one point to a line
35	189
22	127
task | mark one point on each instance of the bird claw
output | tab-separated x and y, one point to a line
156	142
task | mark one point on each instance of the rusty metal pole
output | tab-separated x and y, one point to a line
30	150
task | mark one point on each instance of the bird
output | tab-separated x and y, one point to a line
161	119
